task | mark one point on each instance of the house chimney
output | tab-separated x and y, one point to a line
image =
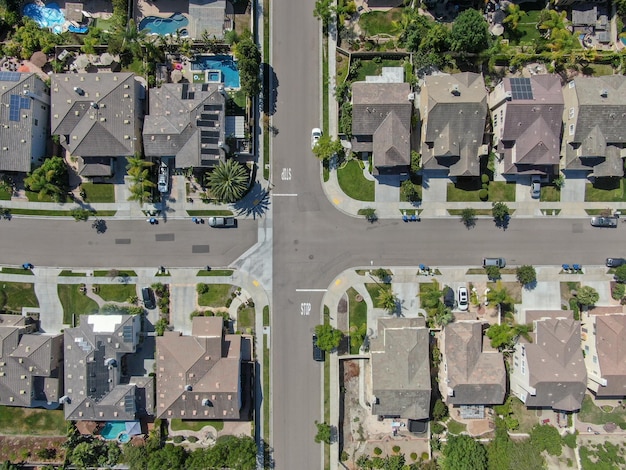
455	90
604	93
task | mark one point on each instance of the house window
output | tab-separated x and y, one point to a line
571	129
571	113
595	359
571	84
501	116
36	122
586	348
523	368
584	330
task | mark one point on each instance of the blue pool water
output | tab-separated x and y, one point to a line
112	429
163	26
49	16
224	63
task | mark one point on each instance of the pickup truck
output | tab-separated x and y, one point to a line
222	222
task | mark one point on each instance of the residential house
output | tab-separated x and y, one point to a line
31	366
604	343
24	120
472	373
595	118
186	122
453	112
400	365
382	108
200	376
527	118
549	372
97	386
98	117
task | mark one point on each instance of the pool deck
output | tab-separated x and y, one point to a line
161	8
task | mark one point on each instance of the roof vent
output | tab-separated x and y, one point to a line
110	362
455	90
65	399
508	96
79	91
94	105
188	388
411	97
206	402
604	93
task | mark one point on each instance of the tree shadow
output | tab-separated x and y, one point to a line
256	203
469	223
503	223
270	90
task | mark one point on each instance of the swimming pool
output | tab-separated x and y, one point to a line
112	430
49	16
222	63
164	26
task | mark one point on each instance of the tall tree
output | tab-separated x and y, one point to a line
323	11
49	180
514	15
328	338
464	453
470	32
387	299
249	65
587	295
228	181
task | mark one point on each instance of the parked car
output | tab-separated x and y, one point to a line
499	262
164	176
222	222
318	353
615	262
448	297
147	296
604	222
463	298
316	133
535	187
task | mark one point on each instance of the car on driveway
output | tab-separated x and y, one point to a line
316	133
463	299
535	187
615	262
164	175
448	297
222	222
318	353
604	222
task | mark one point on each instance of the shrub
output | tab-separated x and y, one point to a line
413	456
178	439
440	410
437	428
618	291
570	440
424	456
228	302
526	274
192	439
485	186
202	288
484	178
377	451
483	194
395	449
344	456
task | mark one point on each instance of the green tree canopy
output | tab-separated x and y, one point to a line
468	217
493	272
50	179
500	211
249	65
323	11
587	295
328	338
228	181
387	299
620	273
324	432
464	453
470	32
526	274
546	437
326	148
167	458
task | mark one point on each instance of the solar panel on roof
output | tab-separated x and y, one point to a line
128	334
191	95
209	151
209	140
205	87
521	89
185	91
10	76
129	403
14	108
212	107
201	123
24	103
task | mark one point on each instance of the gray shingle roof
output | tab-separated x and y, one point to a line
610	339
401	368
474	376
198	376
24	120
187	121
110	127
94	383
454	110
598	109
207	15
584	15
556	365
31	365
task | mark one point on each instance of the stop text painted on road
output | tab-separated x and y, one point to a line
305	308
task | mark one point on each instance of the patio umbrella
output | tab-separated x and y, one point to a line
81	62
177	76
106	59
497	30
39	59
133	428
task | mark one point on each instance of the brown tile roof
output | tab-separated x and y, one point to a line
475	377
198	376
611	351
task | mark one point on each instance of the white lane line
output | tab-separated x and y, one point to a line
311	290
285	194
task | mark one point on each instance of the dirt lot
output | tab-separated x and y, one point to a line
25	448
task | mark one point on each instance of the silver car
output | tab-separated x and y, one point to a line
535	187
463	299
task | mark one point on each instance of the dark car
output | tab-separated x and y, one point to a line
147	296
318	354
615	262
448	297
604	222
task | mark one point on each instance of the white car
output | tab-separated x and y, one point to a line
316	133
463	299
535	187
164	175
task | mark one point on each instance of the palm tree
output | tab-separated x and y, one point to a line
431	298
387	299
228	181
136	165
515	15
443	315
499	295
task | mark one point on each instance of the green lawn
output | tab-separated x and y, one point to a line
116	292
239	98
70	273
15	295
454	427
266	315
353	183
217	295
4	195
376	22
9	270
245	318
369	67
208	213
99	192
357	319
215	272
598	70
550	194
527	31
50	213
466	190
34	197
105	25
590	413
605	190
34	422
194	425
459	212
124	273
74	302
374	290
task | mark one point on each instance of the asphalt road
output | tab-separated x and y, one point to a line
125	243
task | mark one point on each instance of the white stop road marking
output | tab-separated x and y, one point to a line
305	308
285	175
